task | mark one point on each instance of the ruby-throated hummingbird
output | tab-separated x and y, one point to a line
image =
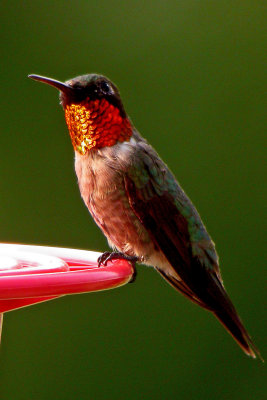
137	202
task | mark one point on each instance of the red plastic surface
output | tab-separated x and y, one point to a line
31	274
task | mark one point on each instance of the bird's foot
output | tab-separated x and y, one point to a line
109	256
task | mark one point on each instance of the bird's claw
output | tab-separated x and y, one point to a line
109	256
103	259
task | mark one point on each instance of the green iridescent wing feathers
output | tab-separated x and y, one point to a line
158	197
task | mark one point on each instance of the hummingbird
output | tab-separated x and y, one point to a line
137	202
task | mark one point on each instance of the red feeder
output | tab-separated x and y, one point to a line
32	274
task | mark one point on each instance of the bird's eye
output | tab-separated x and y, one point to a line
104	86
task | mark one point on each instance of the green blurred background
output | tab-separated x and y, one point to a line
191	75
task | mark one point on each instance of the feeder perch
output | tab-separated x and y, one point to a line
32	274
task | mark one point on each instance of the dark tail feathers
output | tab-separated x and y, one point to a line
222	307
231	321
207	291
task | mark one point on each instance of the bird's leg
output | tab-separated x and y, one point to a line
109	256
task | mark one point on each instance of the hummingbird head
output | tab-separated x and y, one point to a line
93	110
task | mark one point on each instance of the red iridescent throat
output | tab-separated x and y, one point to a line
94	124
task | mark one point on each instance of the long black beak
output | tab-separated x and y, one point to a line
63	87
